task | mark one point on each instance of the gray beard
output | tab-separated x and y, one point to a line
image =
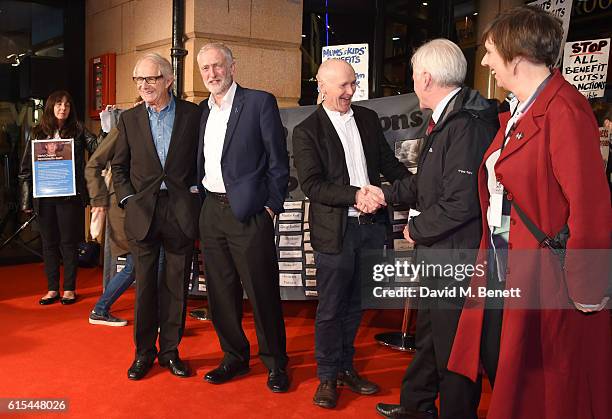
224	87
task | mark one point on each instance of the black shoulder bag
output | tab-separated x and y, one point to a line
557	244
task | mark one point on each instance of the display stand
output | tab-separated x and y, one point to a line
401	341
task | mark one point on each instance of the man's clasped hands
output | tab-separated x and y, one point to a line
370	199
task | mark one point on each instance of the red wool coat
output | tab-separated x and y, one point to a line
553	363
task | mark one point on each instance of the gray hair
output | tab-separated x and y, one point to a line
443	59
229	57
165	68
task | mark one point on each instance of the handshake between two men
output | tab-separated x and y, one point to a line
370	199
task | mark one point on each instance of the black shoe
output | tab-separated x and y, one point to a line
278	380
105	319
67	301
397	411
326	395
47	301
139	368
355	383
176	367
226	372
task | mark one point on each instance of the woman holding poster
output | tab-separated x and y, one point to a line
548	353
60	217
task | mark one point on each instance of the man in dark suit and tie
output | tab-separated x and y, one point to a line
154	169
338	150
243	169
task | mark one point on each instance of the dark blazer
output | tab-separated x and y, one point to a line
137	170
254	162
321	166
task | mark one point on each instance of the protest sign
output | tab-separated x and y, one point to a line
357	56
585	65
561	9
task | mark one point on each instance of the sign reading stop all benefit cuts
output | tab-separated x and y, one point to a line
585	65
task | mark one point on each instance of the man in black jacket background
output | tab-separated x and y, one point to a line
339	149
445	192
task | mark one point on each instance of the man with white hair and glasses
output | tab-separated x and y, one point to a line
154	169
445	192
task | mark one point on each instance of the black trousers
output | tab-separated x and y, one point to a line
61	229
427	374
161	300
339	293
492	324
238	255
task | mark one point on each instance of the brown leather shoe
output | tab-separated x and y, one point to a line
355	383
326	395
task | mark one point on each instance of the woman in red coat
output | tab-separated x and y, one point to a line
548	350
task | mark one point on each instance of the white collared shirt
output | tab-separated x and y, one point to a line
353	149
214	137
499	223
437	113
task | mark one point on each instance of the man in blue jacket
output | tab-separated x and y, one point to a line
243	169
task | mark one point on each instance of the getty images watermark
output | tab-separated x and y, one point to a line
383	272
512	279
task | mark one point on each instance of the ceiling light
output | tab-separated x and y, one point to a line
475	13
395	38
424	3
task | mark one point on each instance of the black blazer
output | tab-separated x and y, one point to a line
321	167
254	162
137	170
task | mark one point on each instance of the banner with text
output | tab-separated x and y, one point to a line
585	65
357	56
561	9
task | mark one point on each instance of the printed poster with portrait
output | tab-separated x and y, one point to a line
53	168
408	152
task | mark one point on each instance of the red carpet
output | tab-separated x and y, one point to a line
53	352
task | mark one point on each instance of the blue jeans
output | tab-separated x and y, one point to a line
121	282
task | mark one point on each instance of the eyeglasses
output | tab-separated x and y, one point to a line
148	79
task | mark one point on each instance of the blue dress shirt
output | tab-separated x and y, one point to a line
161	124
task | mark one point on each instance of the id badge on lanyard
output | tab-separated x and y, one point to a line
496	202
